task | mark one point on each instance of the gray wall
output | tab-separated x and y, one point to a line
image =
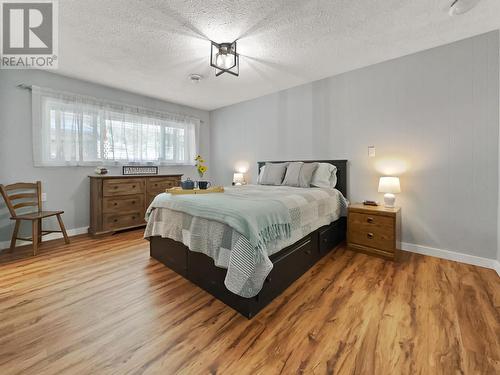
433	116
67	188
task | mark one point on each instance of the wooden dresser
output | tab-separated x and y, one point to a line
120	202
374	230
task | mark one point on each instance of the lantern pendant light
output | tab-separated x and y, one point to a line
224	58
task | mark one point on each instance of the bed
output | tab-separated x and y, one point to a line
228	258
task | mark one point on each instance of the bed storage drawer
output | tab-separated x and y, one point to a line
171	253
325	240
202	272
331	235
289	265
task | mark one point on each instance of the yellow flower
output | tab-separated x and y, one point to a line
202	168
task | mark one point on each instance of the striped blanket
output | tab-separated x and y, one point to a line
228	242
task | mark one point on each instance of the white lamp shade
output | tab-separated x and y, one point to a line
238	178
389	185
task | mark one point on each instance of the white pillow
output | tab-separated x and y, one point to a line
259	179
325	176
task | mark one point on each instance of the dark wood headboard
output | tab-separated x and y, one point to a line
341	171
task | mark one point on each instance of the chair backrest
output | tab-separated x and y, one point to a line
30	194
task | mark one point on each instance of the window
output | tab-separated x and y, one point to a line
71	129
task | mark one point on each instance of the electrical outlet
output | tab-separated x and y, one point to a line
371	151
44	197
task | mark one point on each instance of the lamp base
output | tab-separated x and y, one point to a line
389	200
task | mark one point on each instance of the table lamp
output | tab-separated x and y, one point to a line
238	179
389	186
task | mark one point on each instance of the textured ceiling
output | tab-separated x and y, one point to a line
151	46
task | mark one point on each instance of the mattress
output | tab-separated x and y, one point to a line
211	234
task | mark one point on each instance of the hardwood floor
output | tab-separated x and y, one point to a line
105	307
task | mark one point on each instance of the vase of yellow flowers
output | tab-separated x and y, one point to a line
201	168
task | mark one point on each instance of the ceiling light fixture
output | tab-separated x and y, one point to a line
224	59
458	7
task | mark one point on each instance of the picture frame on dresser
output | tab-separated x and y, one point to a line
138	170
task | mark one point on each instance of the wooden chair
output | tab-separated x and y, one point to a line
27	191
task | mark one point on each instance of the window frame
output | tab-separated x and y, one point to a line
44	100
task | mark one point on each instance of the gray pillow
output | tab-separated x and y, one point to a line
299	174
293	174
273	173
306	174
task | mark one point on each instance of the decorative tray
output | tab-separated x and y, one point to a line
179	190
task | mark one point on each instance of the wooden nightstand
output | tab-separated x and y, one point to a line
374	230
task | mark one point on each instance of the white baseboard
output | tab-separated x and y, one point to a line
51	236
497	267
452	255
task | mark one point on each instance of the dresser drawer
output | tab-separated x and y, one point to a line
120	221
124	186
376	239
157	185
122	204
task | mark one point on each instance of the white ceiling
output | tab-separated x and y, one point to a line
151	46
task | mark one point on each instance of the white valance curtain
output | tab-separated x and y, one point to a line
71	129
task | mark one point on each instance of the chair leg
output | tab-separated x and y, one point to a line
34	235
14	236
39	231
63	229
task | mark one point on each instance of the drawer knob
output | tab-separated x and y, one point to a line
116	187
115	204
308	252
369	219
133	186
133	202
115	220
369	235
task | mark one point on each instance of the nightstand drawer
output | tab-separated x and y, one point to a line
371	222
379	240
